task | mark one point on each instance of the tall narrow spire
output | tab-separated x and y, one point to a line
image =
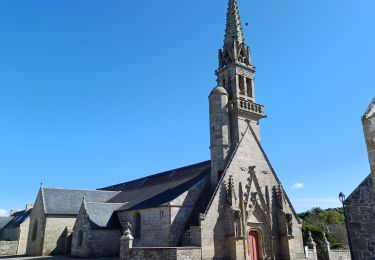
233	29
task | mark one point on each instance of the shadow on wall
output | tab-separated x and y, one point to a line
182	220
63	244
219	228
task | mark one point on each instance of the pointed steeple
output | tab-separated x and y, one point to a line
233	29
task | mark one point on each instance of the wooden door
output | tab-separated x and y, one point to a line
254	245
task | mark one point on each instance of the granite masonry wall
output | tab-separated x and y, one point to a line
340	255
93	242
154	229
360	208
55	239
8	247
18	234
167	253
37	225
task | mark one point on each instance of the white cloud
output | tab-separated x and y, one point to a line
3	212
297	186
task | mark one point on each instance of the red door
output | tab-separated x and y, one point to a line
254	245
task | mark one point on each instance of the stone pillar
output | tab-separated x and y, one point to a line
368	122
312	246
126	243
326	247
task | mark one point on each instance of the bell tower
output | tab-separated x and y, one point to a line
232	102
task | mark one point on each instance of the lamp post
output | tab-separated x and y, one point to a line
342	199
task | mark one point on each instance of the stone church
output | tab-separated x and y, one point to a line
230	207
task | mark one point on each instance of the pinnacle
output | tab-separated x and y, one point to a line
233	29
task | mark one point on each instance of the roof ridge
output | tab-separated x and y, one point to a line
106	203
79	189
157	174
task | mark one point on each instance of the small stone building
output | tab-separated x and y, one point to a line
360	205
97	230
53	217
17	229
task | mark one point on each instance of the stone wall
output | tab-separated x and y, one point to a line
360	208
155	226
286	239
8	247
340	255
18	234
55	239
167	253
181	209
37	224
22	241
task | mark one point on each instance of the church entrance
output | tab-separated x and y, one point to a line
254	245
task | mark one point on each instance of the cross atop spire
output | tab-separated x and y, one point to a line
233	29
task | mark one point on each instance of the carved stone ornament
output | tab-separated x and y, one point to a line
127	227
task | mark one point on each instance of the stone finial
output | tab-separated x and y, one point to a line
370	112
127	233
310	241
126	242
325	240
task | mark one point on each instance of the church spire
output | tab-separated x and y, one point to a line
233	31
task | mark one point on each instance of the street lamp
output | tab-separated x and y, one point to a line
342	199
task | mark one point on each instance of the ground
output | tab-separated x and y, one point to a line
53	258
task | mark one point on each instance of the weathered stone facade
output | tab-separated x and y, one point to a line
94	241
360	209
360	205
48	232
8	247
19	234
249	203
53	218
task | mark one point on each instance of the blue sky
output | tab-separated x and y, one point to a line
94	93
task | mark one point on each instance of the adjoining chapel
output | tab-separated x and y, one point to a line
232	206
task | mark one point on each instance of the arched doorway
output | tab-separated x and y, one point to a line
254	245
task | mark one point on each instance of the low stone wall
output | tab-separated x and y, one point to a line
8	247
339	255
165	253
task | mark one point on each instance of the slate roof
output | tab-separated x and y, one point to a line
68	202
4	221
101	215
159	189
18	218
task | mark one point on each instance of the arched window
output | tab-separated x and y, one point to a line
35	230
137	225
80	238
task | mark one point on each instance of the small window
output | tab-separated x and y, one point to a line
80	238
249	85
35	230
241	85
161	214
137	225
